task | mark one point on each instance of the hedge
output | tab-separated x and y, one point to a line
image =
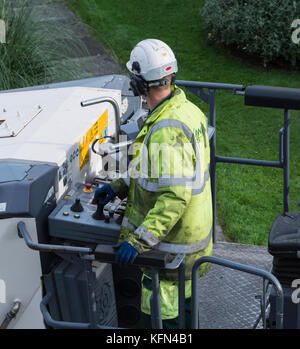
260	28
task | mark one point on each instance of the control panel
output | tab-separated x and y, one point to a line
78	217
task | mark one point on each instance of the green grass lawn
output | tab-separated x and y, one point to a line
248	197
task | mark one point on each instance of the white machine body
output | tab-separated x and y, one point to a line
45	126
50	126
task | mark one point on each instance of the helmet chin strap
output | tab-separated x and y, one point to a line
157	83
140	87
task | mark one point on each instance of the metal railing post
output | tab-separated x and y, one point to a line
286	162
181	295
155	301
213	150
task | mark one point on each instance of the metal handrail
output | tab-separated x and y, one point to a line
178	263
210	85
240	267
23	233
115	105
65	324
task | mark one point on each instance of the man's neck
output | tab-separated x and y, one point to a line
155	97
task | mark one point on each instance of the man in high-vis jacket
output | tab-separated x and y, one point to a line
168	189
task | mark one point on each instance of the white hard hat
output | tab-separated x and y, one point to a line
152	59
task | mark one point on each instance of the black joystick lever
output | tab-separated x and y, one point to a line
98	200
98	214
77	207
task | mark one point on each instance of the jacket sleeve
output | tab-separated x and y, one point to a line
120	187
171	159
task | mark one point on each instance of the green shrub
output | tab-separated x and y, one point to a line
260	28
32	54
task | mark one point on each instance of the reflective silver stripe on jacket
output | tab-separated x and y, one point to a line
195	181
173	181
184	248
145	235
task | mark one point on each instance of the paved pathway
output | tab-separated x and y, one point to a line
54	13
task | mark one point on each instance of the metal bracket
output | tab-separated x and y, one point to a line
175	263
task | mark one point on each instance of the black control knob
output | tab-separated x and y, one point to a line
77	207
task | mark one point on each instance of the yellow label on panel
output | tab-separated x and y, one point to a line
98	130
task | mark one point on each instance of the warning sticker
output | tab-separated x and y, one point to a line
98	130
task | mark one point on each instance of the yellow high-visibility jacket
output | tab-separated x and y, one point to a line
169	204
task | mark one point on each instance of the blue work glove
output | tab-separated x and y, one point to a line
126	253
105	194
